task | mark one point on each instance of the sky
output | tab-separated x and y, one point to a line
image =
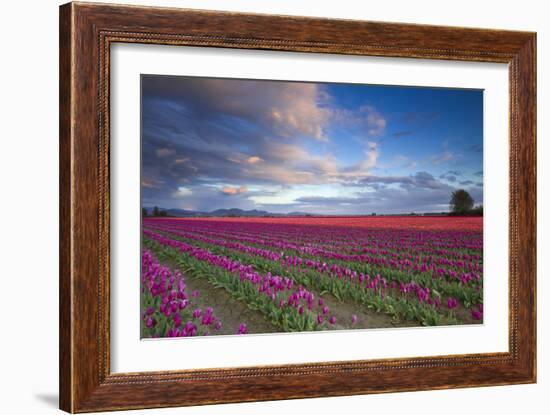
320	148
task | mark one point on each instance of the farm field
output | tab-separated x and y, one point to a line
211	276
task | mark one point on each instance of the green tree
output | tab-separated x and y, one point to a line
155	211
461	202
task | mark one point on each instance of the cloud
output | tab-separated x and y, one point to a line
252	132
285	108
232	191
466	183
478	173
327	200
371	156
151	183
363	168
425	180
254	159
182	160
387	180
366	121
183	191
164	152
451	175
375	122
420	180
420	192
285	163
443	157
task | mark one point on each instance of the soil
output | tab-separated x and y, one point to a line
366	319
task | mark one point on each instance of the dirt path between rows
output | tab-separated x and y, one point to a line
233	312
230	311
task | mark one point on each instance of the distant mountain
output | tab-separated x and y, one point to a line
255	213
184	212
233	212
240	212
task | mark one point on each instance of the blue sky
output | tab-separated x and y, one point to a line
310	147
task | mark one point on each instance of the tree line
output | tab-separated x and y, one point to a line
156	212
462	204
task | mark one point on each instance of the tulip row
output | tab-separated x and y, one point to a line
289	306
167	310
354	274
462	270
426	253
406	301
373	241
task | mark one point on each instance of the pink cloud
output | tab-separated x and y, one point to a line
232	191
254	159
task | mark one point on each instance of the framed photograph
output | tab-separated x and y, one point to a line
258	207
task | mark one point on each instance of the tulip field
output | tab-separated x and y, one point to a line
218	275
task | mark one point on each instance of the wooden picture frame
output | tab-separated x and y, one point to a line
86	33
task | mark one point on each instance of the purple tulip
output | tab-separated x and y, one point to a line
173	333
332	320
207	320
208	317
325	310
242	329
320	319
452	303
189	330
197	313
477	315
353	319
150	322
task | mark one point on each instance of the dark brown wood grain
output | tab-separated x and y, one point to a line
86	33
65	246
